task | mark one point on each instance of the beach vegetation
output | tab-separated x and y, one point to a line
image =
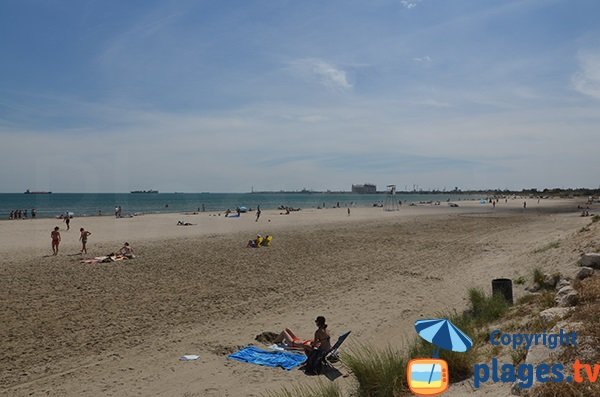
595	218
379	373
526	299
520	280
321	389
564	389
483	308
540	279
518	355
549	246
538	276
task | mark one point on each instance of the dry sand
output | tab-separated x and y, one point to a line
72	329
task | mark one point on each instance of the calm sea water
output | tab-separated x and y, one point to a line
88	204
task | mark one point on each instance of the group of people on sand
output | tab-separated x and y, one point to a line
260	241
21	214
315	348
126	250
56	239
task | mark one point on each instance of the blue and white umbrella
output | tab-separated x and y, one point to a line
443	334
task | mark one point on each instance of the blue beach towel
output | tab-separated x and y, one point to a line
254	355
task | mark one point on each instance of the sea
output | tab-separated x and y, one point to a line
93	204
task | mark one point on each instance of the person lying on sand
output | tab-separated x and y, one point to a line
291	341
180	223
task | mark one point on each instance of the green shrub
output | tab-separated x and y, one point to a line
320	390
595	218
485	309
379	373
538	276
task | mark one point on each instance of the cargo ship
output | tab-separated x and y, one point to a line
30	192
144	191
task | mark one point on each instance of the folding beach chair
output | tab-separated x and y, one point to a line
325	359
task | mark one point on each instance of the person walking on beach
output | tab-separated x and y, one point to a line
67	220
55	236
257	213
524	204
83	238
348	211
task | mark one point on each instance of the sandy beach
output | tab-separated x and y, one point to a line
118	329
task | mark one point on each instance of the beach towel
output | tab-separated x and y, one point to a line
254	355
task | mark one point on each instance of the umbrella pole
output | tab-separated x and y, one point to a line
436	354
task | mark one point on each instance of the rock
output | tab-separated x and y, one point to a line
535	287
563	282
515	389
590	260
554	313
538	354
550	280
584	272
566	296
566	326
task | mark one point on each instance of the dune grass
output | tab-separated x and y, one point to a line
379	373
549	246
484	309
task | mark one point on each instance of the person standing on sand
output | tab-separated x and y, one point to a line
67	220
55	235
524	204
83	238
348	211
257	213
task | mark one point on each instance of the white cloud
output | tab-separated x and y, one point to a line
327	74
410	3
426	58
587	80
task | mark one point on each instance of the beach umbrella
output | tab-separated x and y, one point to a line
443	334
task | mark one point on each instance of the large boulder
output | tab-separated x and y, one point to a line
563	282
550	280
554	313
590	260
566	297
584	272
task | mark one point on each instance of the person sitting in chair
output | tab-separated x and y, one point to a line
255	243
317	349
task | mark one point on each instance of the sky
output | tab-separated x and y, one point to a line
226	96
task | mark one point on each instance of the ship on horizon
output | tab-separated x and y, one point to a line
144	191
30	192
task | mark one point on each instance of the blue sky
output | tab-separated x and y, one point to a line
225	95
